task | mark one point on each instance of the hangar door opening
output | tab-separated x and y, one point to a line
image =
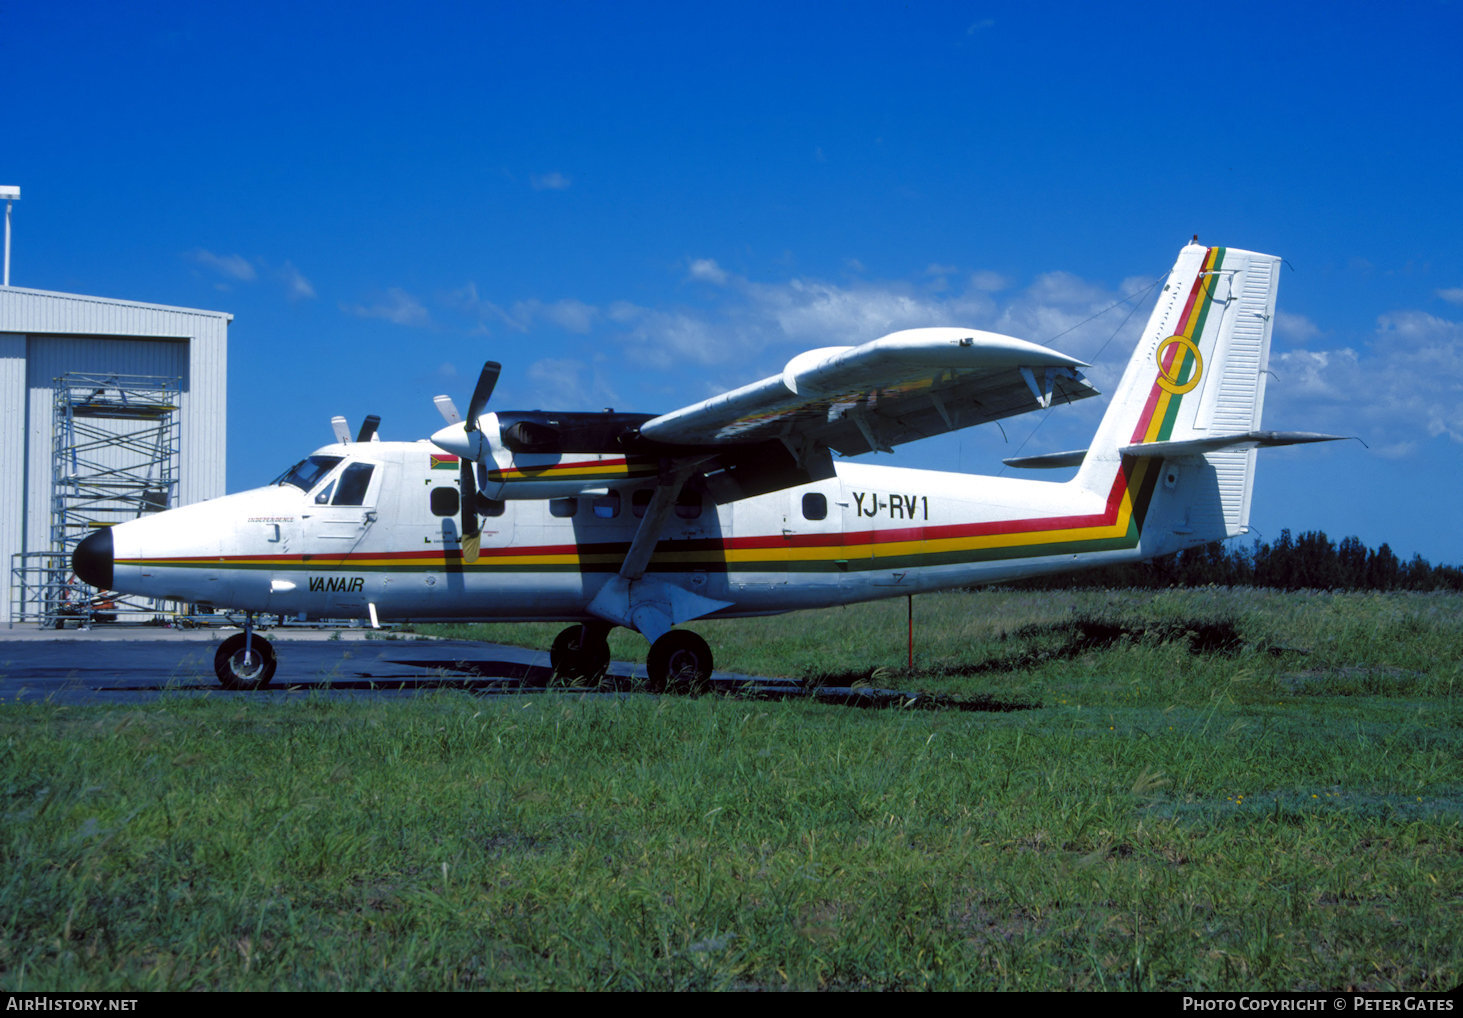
103	447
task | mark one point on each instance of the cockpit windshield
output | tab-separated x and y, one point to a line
307	473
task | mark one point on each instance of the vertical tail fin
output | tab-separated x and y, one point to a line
1198	374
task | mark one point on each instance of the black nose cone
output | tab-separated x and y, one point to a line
92	560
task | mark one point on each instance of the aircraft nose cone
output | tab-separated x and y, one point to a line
92	560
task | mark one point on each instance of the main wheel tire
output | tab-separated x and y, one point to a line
580	655
236	673
680	661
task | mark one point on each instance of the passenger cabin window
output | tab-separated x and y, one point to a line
563	507
445	502
688	505
353	484
815	506
607	506
491	506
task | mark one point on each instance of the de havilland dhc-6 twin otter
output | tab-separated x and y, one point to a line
734	506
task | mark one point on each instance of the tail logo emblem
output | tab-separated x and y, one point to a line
1169	382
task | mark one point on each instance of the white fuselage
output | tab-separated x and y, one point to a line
869	532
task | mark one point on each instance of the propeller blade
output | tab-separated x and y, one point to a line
486	381
447	409
368	428
341	430
471	532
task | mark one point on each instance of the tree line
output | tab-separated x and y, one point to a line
1310	561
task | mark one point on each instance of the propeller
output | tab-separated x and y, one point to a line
479	402
472	535
467	478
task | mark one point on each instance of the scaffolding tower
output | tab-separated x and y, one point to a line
115	457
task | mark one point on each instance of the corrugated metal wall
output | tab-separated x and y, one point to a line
12	456
45	335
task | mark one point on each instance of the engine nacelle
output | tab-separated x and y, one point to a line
538	454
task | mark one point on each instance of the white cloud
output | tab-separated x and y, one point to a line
820	313
232	266
1406	384
554	181
988	282
745	319
572	315
1293	328
242	270
1453	294
1067	290
399	307
296	286
569	314
1396	388
663	339
465	298
566	382
706	270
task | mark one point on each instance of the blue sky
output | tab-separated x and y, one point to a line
638	205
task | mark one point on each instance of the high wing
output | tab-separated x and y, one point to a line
904	386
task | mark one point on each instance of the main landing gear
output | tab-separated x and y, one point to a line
679	661
580	655
245	660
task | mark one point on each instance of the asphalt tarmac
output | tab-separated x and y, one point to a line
119	664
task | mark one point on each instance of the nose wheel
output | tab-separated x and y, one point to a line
245	661
680	661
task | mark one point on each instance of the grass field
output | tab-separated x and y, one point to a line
1189	790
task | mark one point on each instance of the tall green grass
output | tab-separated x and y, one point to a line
1283	811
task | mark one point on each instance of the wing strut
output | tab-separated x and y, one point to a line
652	606
656	513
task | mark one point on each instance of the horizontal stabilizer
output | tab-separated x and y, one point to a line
1247	440
1048	461
1187	447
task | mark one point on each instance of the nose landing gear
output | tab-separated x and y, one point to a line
244	660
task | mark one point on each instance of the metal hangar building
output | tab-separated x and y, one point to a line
108	409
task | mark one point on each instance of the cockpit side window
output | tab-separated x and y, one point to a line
354	481
307	473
